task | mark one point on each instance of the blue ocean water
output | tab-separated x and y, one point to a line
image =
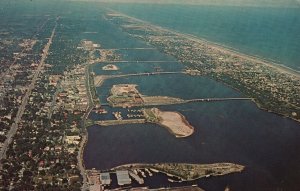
270	33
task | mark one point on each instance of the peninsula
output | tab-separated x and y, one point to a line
185	171
175	122
126	95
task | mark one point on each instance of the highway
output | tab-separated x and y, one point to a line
25	99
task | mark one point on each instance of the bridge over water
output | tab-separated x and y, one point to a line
99	79
217	99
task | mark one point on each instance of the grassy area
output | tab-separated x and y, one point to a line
150	116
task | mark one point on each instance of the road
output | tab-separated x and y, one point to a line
81	167
25	99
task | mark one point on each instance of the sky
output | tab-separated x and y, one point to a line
276	3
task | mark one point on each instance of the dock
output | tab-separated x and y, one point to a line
136	177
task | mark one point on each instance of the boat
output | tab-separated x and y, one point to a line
101	111
143	174
170	180
117	115
154	170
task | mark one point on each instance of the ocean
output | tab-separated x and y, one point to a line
269	33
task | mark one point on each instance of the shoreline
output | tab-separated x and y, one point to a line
228	49
84	132
256	103
183	120
221	47
270	64
173	121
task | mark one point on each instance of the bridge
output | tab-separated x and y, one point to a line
138	48
99	79
217	99
143	74
198	100
137	61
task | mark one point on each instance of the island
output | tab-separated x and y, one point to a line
173	121
110	67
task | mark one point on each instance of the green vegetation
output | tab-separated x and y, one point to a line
150	116
188	172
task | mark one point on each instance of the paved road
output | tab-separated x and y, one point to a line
21	110
81	166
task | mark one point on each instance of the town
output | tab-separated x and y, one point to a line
41	112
